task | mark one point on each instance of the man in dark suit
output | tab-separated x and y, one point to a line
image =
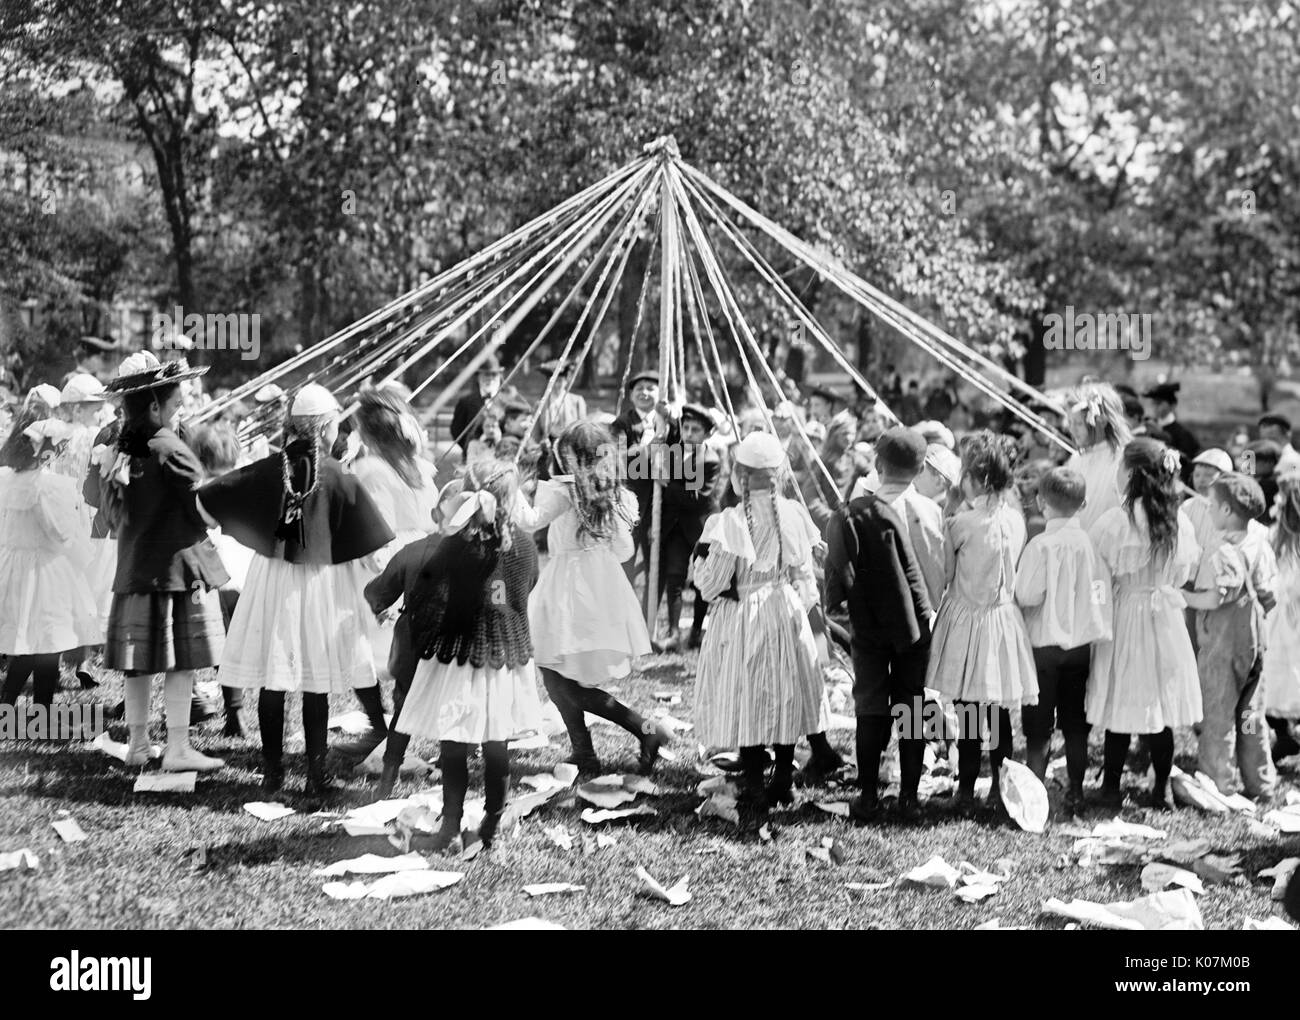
871	566
688	500
1164	404
468	415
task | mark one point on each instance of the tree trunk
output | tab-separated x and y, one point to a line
1035	360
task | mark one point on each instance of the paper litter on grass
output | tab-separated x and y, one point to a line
1023	795
593	817
1118	828
559	778
353	723
113	749
527	924
1285	819
373	864
559	836
553	888
69	830
1184	851
268	811
373	819
833	807
1172	910
936	873
1281	874
676	895
1156	877
996	925
373	763
1268	924
395	886
165	782
19	860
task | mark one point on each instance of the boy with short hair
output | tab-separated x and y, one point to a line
1233	592
1062	591
900	456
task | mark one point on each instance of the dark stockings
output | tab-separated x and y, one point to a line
44	671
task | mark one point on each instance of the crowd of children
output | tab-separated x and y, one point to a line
1101	592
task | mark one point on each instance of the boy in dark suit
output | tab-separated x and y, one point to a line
871	566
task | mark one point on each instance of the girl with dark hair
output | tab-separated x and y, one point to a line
302	623
475	683
1144	680
400	482
165	616
980	654
45	606
758	681
585	618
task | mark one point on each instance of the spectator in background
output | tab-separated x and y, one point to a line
1259	461
1164	407
467	417
1277	429
908	404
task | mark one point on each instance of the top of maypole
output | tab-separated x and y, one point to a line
665	146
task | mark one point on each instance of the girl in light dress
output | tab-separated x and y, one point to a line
475	683
45	605
1144	680
758	681
980	655
585	619
302	623
401	484
1099	428
1281	675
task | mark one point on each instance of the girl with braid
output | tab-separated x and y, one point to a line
1145	680
758	681
585	618
302	623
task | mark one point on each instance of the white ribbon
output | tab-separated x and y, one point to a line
478	502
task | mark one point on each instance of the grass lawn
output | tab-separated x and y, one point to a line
137	868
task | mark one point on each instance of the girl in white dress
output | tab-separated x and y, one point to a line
401	484
758	681
980	655
475	683
45	606
1101	431
1145	680
302	623
585	618
1282	654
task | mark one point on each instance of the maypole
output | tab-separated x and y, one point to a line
666	147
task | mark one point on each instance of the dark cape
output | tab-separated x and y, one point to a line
339	523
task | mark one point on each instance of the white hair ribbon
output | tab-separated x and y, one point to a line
478	502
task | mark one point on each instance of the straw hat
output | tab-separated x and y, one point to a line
143	371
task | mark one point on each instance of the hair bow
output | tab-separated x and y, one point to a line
1170	460
468	505
45	429
1090	408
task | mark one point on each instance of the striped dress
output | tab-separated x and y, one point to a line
758	680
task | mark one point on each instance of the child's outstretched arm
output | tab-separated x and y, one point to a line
1204	598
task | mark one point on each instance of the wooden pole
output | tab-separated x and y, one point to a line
667	270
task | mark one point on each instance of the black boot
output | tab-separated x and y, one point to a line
387	780
362	744
560	690
1285	743
233	698
270	721
752	802
315	728
455	781
780	789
